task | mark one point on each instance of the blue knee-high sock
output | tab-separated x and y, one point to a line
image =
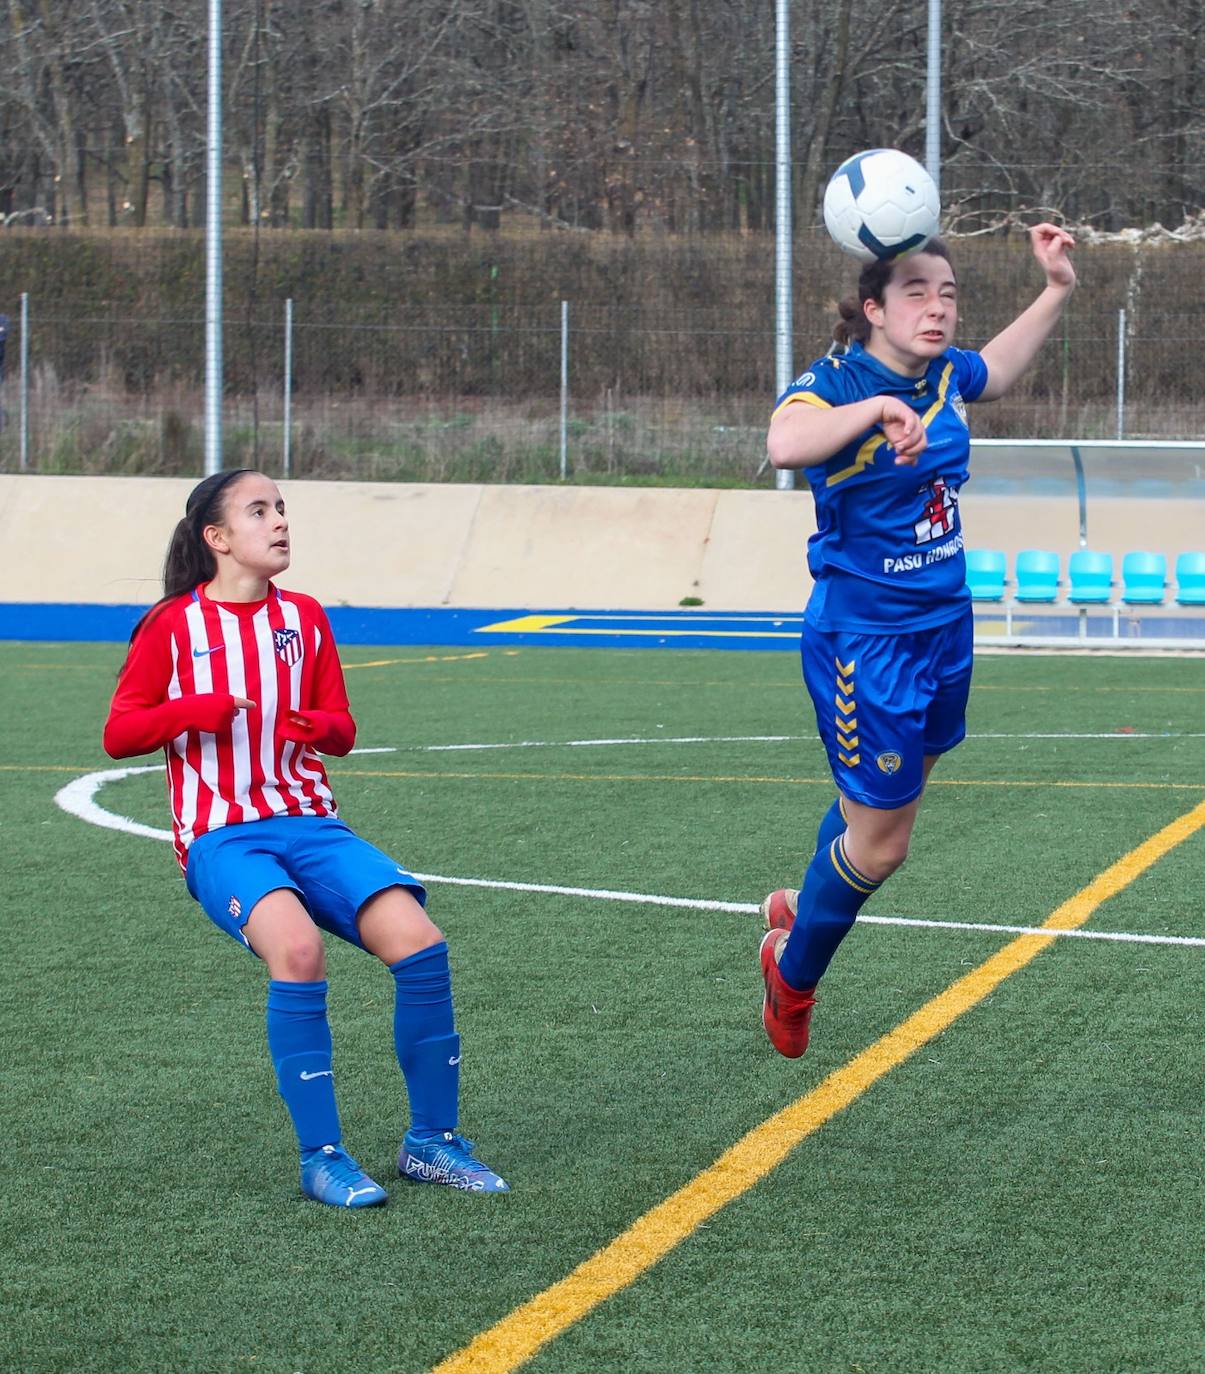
299	1040
833	892
424	1032
832	825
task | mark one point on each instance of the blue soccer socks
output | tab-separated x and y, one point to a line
424	1035
330	1175
299	1041
833	824
446	1158
832	894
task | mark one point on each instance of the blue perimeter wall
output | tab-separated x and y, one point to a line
683	629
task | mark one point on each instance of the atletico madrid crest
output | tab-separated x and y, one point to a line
288	646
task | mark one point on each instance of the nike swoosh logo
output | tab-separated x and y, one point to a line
322	1073
455	1059
204	653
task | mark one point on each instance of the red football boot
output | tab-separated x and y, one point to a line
778	910
786	1011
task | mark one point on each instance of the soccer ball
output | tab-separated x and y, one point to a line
881	204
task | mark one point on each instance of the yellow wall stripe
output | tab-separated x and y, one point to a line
517	1337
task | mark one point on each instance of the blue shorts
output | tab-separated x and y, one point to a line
332	870
883	702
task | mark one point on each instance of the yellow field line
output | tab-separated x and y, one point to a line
46	768
426	658
518	1336
431	775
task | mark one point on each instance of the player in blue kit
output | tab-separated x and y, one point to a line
881	431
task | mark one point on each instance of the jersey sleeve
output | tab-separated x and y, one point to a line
970	373
325	721
822	385
141	717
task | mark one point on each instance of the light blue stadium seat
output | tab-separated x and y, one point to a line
1091	577
1143	578
1190	579
1037	572
985	574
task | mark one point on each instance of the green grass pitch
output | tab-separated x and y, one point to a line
1023	1193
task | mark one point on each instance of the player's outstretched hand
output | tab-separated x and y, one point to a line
905	433
1050	246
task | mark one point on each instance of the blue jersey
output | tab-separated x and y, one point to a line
887	553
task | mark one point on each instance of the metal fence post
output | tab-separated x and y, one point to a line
23	392
564	388
784	330
1121	374
286	456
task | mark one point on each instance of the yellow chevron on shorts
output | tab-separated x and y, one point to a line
845	669
845	707
849	760
846	687
846	743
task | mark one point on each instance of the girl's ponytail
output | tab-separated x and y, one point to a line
189	560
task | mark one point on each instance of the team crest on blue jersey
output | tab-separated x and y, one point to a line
960	407
938	518
889	762
288	646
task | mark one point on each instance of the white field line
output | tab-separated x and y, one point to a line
753	908
742	739
78	798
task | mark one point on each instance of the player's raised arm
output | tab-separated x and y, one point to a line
802	435
1016	346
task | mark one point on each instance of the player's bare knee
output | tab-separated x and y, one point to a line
429	934
886	857
299	959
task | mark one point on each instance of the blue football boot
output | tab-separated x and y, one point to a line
330	1175
446	1158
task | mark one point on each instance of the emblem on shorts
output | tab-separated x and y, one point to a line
235	908
889	762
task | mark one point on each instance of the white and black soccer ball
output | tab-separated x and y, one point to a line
881	204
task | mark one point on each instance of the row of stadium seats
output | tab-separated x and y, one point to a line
1090	578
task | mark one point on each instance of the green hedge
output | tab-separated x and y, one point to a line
455	315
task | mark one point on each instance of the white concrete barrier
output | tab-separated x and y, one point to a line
101	540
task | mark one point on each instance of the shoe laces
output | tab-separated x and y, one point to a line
339	1167
457	1149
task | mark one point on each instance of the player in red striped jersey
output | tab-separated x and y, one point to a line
240	684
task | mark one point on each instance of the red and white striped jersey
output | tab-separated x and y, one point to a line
188	663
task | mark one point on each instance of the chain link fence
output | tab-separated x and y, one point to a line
494	393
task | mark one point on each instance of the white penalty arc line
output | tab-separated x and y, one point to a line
78	798
738	739
753	908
